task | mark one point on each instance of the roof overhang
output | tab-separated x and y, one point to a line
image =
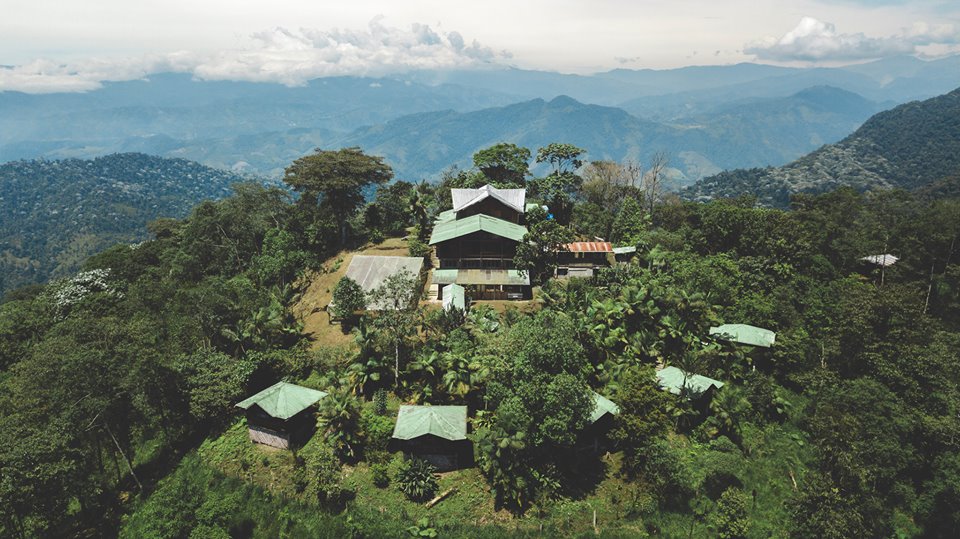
480	276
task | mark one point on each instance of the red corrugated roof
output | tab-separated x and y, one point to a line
590	247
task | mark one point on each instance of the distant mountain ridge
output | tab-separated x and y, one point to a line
262	127
913	146
54	214
773	131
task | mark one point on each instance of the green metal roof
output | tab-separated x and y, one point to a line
671	379
283	400
448	230
745	334
480	276
447	422
444	216
602	406
454	295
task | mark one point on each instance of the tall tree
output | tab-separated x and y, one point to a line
654	179
396	303
504	164
538	253
559	187
337	179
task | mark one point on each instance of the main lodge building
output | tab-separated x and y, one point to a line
475	243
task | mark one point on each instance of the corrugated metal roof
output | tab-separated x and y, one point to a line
512	198
371	271
881	260
745	334
671	379
448	230
480	276
454	295
589	247
283	400
625	250
445	216
447	422
601	407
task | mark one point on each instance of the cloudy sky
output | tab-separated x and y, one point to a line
58	45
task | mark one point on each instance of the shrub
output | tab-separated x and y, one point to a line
381	474
322	473
731	520
418	248
377	430
417	480
348	298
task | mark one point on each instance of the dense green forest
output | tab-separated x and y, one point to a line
914	146
118	383
55	214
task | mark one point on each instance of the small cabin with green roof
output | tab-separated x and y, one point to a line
745	334
694	386
437	434
282	414
594	435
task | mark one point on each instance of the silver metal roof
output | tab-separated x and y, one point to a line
512	198
371	271
881	260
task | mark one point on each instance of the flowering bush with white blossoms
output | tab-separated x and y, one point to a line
69	292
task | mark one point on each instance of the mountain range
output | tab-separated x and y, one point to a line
915	146
767	131
262	127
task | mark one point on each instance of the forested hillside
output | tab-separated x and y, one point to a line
118	384
913	146
55	214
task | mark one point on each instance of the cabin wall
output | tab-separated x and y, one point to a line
267	430
445	455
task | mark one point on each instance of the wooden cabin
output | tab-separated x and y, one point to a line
583	258
695	387
437	434
625	254
476	241
745	334
281	415
602	418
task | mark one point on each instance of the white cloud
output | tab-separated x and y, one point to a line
290	57
815	41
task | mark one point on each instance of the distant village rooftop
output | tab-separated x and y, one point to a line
881	260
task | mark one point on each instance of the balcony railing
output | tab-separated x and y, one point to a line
477	263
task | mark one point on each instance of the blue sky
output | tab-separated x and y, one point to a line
57	45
